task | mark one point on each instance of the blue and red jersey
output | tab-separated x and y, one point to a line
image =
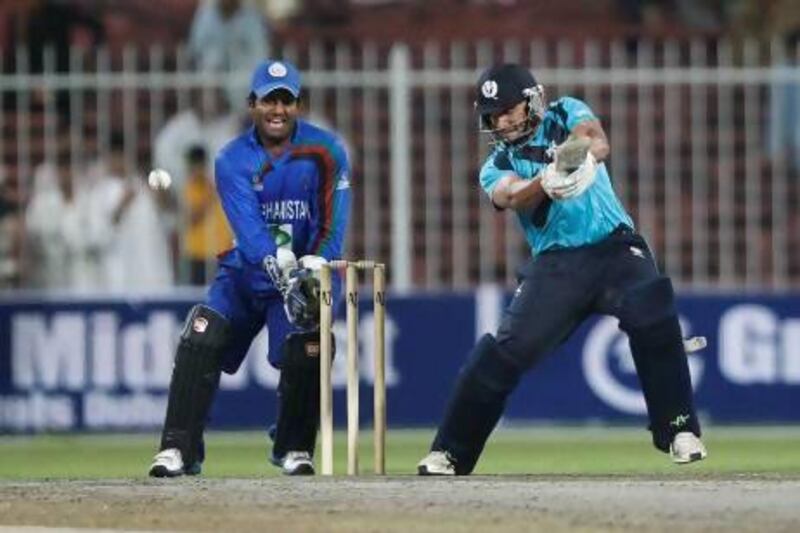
299	200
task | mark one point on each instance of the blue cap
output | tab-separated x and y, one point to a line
271	75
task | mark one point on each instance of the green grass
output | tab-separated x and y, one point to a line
536	450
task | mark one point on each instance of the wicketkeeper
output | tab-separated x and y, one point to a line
548	167
284	185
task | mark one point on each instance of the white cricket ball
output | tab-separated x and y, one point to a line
159	179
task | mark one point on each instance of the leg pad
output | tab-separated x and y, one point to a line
476	403
195	377
298	391
649	317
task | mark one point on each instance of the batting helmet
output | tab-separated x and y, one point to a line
501	87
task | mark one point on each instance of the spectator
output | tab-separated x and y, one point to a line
62	254
205	124
326	12
126	219
642	12
206	229
770	23
228	37
41	25
701	15
10	230
280	10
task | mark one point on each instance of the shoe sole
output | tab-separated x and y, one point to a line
163	471
697	456
301	470
423	471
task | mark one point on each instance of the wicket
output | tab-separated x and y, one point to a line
326	391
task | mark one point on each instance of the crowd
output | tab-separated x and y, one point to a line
93	224
99	227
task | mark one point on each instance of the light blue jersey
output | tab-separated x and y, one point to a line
570	223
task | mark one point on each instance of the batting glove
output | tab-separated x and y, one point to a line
571	153
560	186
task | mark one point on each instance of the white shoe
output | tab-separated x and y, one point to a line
298	464
687	448
437	464
167	463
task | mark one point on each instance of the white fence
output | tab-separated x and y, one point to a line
703	136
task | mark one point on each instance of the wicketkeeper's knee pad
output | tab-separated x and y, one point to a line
195	377
298	391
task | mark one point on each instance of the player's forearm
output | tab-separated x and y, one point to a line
244	217
599	148
518	194
592	129
252	237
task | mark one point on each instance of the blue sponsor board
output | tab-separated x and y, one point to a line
106	364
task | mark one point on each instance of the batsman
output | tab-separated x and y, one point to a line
548	167
284	186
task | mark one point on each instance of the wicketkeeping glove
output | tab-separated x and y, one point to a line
312	262
279	266
301	299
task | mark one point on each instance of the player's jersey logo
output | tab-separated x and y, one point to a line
489	89
680	421
344	182
312	349
200	324
277	69
281	234
258	182
635	250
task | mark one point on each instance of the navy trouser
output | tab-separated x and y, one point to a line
558	290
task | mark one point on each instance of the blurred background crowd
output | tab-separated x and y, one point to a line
76	147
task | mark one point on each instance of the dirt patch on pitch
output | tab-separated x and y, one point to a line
409	504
